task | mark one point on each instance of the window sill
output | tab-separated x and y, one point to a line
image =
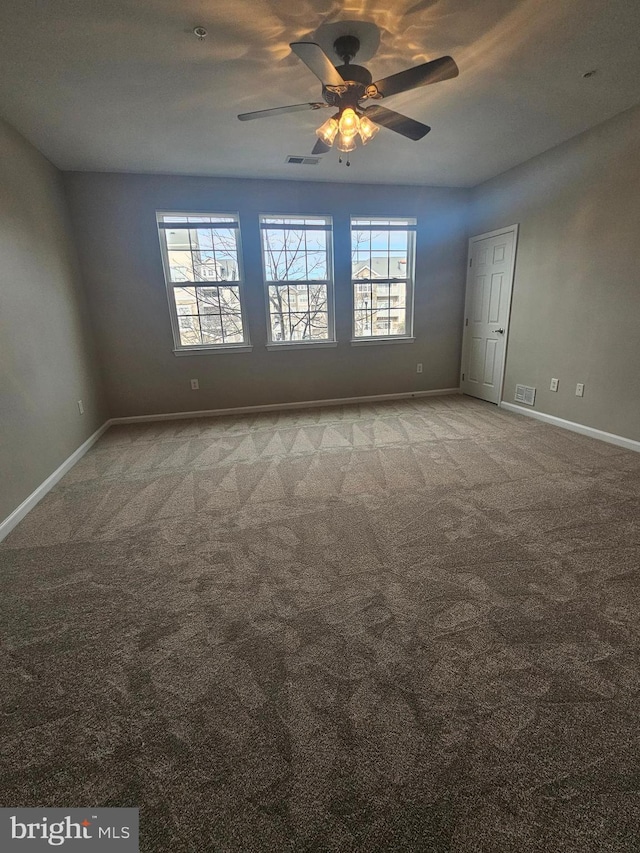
368	342
282	345
212	350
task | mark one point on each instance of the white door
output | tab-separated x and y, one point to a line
486	313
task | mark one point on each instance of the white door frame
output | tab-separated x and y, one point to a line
476	238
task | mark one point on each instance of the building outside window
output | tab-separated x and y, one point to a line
298	275
382	272
203	274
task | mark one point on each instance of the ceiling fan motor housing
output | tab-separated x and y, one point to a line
347	95
356	78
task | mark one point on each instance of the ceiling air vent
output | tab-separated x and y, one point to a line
525	394
302	161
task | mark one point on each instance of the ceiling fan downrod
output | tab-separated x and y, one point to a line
346	48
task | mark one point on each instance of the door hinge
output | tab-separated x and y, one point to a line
470	262
463	377
466	322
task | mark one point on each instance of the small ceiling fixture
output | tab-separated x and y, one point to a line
591	73
344	87
200	32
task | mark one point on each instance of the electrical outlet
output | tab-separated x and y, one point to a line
554	385
195	385
580	389
419	368
81	407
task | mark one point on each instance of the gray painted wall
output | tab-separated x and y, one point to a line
46	358
576	301
115	227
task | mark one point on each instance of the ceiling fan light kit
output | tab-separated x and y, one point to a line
367	129
328	131
345	86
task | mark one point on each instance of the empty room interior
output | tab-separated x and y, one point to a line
320	426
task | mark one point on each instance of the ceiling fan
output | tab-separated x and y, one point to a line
344	87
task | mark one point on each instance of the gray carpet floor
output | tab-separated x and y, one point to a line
410	626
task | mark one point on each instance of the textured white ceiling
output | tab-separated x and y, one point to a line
124	85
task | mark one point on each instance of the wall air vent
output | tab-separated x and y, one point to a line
525	394
302	161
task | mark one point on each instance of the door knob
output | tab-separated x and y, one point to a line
499	331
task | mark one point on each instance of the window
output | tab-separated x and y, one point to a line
382	271
201	255
296	254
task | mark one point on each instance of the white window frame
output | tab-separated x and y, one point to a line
409	224
327	222
205	349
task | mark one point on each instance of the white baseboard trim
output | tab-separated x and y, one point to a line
274	407
592	432
36	496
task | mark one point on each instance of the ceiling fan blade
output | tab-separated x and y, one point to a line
403	125
321	147
278	111
317	61
422	75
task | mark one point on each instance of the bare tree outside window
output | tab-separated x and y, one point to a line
297	268
382	263
203	272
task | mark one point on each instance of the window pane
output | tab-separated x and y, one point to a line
300	256
224	238
361	265
380	291
232	328
362	323
298	297
201	238
379	241
318	297
362	297
299	324
208	300
397	265
227	265
178	240
204	266
316	265
211	325
277	327
379	264
360	241
296	267
294	254
185	299
274	255
207	315
319	329
189	330
278	298
230	298
398	294
180	266
317	241
382	311
398	319
398	241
